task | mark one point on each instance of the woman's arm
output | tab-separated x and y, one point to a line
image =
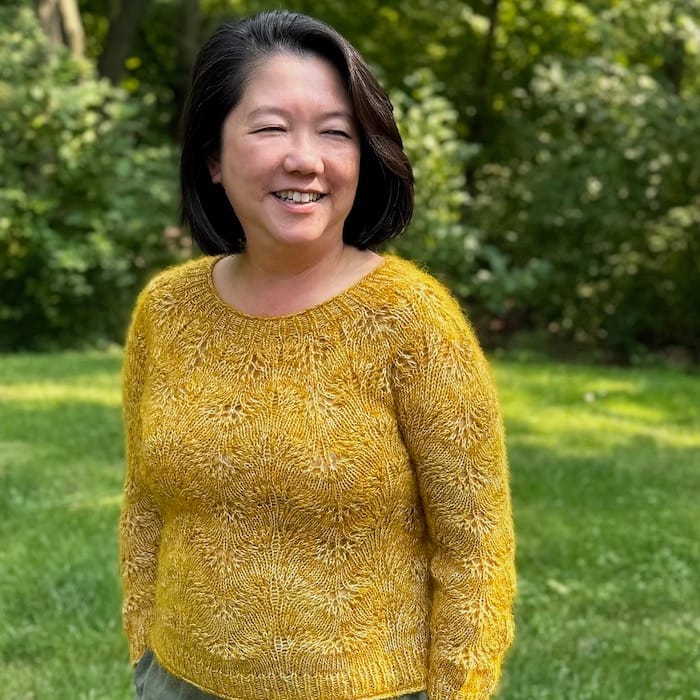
140	523
451	424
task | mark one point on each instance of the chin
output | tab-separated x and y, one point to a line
306	237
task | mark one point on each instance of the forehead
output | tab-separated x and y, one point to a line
289	76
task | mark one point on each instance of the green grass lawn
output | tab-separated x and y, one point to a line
605	470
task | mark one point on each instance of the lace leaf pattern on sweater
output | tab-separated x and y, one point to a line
316	506
468	515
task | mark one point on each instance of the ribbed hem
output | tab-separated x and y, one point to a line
404	673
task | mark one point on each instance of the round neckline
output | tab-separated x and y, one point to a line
322	307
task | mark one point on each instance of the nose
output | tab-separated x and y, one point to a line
303	156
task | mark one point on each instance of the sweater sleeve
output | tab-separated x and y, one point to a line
451	424
140	522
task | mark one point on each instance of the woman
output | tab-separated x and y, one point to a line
316	499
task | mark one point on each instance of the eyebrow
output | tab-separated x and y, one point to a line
265	110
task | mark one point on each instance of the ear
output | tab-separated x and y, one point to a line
214	165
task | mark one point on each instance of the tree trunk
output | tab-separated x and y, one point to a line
120	37
62	24
190	35
674	55
189	44
50	20
481	102
72	27
482	76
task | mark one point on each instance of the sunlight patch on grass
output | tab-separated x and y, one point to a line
43	392
71	502
581	411
583	431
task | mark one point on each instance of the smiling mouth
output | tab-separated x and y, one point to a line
298	197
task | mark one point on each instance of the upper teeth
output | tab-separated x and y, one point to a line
303	197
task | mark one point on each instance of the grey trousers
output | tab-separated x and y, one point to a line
153	682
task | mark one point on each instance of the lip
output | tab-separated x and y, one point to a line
297	208
296	189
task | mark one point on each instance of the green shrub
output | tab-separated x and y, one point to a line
84	199
603	180
441	234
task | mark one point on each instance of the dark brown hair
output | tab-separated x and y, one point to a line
384	200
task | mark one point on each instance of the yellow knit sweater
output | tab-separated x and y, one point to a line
316	505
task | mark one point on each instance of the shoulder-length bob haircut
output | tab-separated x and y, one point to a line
384	200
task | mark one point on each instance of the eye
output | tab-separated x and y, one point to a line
338	132
268	129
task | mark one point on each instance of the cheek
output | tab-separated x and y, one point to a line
356	164
246	168
348	168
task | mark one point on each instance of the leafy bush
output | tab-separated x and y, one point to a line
604	180
441	235
84	200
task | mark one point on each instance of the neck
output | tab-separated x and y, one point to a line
277	269
276	286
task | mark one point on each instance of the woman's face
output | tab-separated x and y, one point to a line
290	154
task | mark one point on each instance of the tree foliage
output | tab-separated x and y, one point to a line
603	179
439	235
83	203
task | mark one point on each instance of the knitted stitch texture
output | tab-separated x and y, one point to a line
316	505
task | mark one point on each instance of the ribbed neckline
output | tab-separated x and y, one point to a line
337	306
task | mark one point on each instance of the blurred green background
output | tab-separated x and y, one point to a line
555	145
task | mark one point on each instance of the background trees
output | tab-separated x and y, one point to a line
552	140
85	194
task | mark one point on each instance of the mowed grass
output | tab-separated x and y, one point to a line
605	467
